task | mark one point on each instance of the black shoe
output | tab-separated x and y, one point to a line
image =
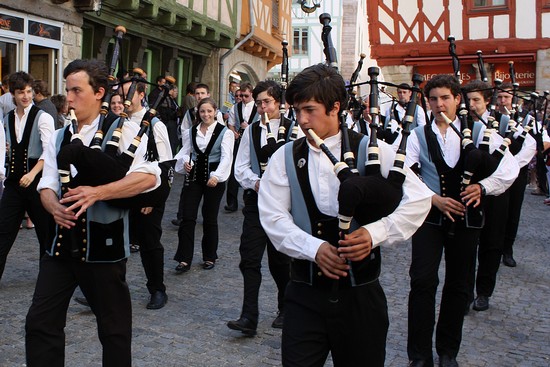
508	260
230	208
243	325
208	265
278	322
81	300
420	363
182	268
447	361
481	303
158	300
176	222
134	248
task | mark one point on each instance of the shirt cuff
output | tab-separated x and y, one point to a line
378	232
312	247
48	183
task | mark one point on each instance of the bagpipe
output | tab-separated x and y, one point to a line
101	163
368	197
275	143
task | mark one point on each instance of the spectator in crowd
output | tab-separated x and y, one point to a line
42	98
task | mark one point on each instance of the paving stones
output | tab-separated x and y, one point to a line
190	330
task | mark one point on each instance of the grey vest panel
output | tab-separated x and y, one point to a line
216	152
35	144
503	124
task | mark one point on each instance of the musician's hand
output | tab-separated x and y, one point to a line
257	186
471	194
237	135
332	265
356	246
212	181
187	167
62	217
81	197
27	179
244	125
448	206
147	210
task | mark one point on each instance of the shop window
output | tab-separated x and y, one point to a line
300	44
8	58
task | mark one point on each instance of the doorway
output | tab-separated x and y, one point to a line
42	65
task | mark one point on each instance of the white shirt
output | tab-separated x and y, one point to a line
243	166
233	119
186	123
450	146
160	132
419	114
46	127
6	103
50	175
228	141
528	149
274	202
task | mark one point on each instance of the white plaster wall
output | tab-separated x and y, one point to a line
525	21
479	28
546	25
456	9
501	26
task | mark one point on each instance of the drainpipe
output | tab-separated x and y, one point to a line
225	55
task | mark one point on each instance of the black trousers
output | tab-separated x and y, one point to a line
212	197
354	329
428	244
253	244
489	251
146	231
105	288
13	205
232	184
517	191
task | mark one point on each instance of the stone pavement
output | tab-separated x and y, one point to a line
191	331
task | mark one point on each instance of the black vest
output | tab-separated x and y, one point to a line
326	228
19	163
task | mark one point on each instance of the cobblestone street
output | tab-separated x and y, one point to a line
190	330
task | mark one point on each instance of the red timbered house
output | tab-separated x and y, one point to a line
411	36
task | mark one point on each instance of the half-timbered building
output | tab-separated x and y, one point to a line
411	36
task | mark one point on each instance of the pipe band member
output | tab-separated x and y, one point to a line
206	157
301	221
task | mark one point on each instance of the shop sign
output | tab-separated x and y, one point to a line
44	30
11	23
429	71
525	73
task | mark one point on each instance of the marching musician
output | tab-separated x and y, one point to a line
191	118
205	158
517	190
241	114
396	111
354	328
28	132
267	96
435	151
496	208
146	223
102	235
